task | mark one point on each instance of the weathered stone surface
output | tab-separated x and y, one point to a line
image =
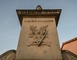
9	55
33	44
38	37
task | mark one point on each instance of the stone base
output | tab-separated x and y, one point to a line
38	59
10	55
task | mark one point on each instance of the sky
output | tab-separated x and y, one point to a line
10	27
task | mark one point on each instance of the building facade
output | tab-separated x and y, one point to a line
70	45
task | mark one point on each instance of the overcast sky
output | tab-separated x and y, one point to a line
10	27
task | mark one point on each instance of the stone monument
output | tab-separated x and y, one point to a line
38	37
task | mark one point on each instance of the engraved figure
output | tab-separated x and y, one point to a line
38	35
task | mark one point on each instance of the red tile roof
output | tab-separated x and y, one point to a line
69	41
